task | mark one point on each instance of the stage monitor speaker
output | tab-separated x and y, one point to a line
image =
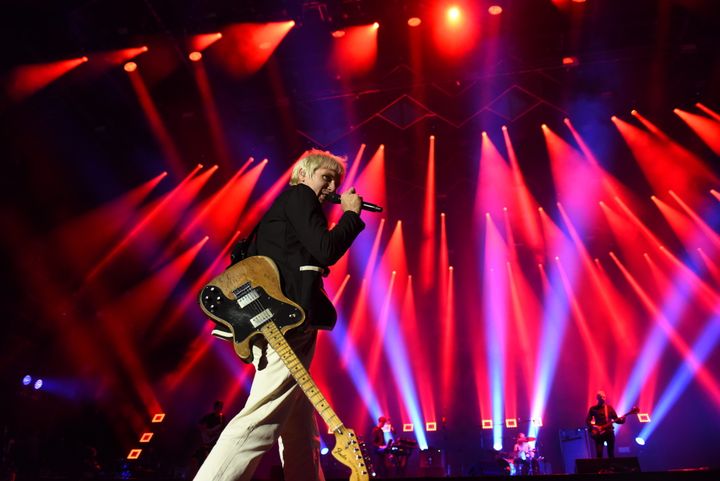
574	444
607	465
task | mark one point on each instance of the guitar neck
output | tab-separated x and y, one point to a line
278	342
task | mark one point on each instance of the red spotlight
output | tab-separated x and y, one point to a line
144	48
85	59
454	14
407	427
134	453
130	66
495	9
570	61
487	424
511	423
376	25
431	426
338	33
195	56
414	21
146	437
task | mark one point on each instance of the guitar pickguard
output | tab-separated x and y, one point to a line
244	316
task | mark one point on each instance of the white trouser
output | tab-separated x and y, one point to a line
276	408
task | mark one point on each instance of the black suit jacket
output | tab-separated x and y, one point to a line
293	233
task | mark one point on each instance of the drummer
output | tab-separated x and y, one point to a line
522	454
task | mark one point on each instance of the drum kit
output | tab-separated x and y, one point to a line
525	461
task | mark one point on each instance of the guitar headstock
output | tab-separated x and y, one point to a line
634	410
351	452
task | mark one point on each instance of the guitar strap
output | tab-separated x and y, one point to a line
607	416
240	251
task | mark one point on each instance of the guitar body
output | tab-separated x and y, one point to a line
599	430
245	296
247	301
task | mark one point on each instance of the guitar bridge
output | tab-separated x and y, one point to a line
245	294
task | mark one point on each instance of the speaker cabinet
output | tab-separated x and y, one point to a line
574	444
607	465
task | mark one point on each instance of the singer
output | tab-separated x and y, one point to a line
294	233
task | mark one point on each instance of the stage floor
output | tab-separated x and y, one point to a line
679	475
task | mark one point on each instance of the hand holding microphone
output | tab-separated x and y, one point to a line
351	201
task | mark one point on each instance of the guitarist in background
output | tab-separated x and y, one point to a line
603	431
294	233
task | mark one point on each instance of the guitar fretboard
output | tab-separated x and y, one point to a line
277	341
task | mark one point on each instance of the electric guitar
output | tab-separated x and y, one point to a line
598	430
246	301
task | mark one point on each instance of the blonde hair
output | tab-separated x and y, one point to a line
314	159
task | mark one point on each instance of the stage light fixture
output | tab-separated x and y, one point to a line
454	14
338	33
511	423
195	56
487	424
431	426
414	21
146	437
158	418
38	384
130	66
324	451
26	380
643	417
537	422
408	427
134	453
570	61
495	9
640	441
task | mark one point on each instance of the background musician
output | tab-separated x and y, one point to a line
603	431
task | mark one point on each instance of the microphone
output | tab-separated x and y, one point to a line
335	199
